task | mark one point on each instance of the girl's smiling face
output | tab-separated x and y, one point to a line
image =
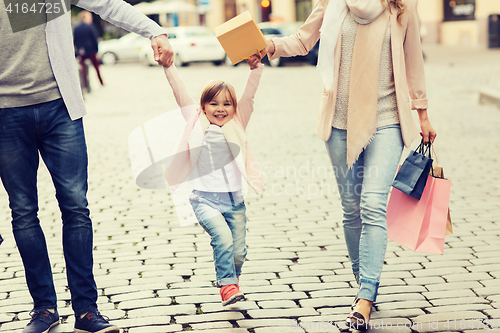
220	109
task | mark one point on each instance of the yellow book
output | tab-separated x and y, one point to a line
240	37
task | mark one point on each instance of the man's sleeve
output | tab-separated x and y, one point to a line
123	15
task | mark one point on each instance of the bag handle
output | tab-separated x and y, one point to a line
426	149
421	150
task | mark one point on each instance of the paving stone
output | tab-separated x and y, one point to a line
460	307
424	281
320	286
300	273
282	304
448	294
487	291
326	302
279	329
291	295
275	322
451	315
443	271
212	325
281	313
130	305
138	322
174	292
197	299
156	329
397	313
467	277
208	317
239	306
171	310
280	288
403	305
399	297
323	326
458	301
454	286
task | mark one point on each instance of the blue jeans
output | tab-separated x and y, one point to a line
363	193
48	129
225	222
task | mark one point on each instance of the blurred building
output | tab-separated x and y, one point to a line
459	22
451	22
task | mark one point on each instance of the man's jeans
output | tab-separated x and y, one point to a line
48	129
363	193
226	225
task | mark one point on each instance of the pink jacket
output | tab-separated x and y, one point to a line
179	168
407	61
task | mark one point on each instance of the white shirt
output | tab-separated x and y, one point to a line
215	169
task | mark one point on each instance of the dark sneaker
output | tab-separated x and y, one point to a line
41	321
94	322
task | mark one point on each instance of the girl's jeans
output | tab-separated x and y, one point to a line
225	222
363	192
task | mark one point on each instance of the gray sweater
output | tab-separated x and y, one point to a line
60	50
387	110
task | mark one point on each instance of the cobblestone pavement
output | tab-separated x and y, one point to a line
154	276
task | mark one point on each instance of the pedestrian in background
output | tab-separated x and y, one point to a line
86	45
370	60
214	159
41	110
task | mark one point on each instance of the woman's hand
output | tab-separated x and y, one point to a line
428	132
270	49
254	60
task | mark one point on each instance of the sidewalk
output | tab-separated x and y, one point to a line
154	276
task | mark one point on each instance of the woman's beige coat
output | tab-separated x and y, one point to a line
407	61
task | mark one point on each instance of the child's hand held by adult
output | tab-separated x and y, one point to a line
254	60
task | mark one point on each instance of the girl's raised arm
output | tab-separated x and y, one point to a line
245	104
184	100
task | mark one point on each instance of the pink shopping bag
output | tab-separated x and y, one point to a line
420	225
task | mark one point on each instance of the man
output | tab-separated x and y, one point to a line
86	47
41	110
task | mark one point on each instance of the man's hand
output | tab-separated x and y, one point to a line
163	53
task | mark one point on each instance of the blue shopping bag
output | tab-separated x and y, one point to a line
412	175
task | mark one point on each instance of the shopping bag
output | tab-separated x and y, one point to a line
437	172
240	37
412	175
420	225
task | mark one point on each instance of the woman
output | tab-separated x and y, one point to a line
371	63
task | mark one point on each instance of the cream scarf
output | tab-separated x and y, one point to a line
363	80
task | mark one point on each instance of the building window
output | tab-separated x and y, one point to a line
459	10
229	9
302	9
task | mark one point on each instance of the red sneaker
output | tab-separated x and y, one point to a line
230	294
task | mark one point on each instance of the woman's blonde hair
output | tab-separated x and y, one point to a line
398	4
213	88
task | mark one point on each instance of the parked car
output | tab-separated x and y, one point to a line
125	48
190	44
271	30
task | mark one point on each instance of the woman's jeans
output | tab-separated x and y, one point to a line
224	219
47	129
363	192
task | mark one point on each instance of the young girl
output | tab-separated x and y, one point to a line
214	159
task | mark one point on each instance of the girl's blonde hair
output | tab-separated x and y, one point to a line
213	88
399	5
